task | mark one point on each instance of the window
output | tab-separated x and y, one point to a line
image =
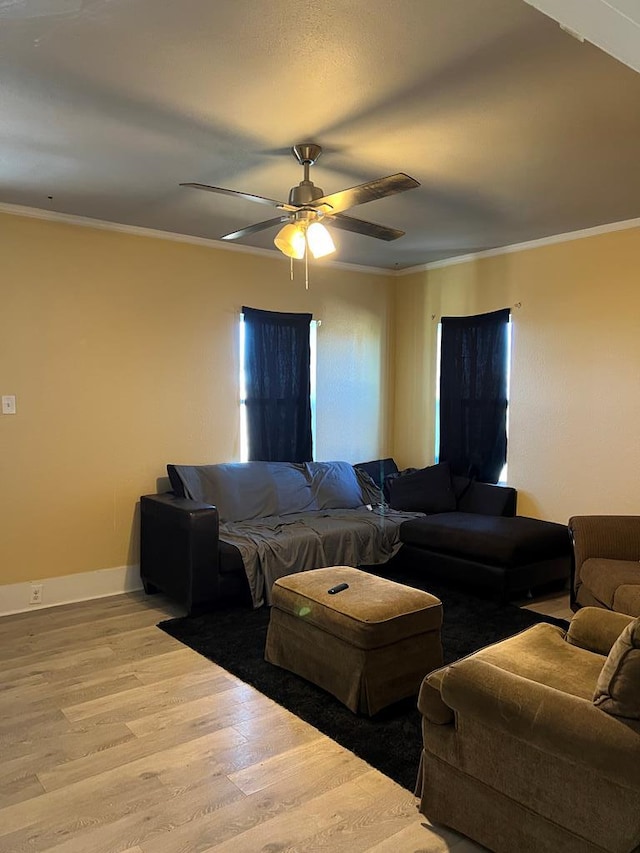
276	407
472	390
503	474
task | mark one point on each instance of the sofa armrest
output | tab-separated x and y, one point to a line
565	726
179	549
596	629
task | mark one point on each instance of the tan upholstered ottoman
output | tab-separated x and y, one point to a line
369	645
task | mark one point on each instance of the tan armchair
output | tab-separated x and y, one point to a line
516	754
606	562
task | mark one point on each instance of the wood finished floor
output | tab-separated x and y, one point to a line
116	738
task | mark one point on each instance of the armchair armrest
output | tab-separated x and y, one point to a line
570	728
179	549
596	629
430	702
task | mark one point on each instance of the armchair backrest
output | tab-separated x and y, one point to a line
609	537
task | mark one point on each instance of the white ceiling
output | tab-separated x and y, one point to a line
514	129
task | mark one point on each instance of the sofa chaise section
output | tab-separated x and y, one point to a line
472	536
509	556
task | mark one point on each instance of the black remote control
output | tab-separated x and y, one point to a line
338	588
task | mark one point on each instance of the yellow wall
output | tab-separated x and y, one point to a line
574	434
122	353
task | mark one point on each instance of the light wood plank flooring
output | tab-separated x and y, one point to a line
116	738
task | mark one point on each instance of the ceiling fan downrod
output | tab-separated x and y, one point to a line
306	153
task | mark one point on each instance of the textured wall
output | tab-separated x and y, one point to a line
122	352
574	435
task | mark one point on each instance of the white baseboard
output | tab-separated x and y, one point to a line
14	598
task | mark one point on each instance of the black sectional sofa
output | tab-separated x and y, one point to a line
468	533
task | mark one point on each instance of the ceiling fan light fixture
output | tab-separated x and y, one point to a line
308	204
319	240
291	241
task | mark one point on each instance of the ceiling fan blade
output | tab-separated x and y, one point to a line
369	191
248	196
360	226
252	229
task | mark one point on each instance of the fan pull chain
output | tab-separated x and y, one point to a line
306	269
291	262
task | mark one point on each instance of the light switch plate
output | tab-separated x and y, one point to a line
8	404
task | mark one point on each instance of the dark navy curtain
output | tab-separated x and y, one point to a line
473	394
277	370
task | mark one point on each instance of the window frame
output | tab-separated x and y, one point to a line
502	480
242	385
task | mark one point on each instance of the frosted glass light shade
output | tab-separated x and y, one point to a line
319	240
290	240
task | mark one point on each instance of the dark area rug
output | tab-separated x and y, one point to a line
391	741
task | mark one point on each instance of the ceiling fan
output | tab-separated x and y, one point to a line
309	209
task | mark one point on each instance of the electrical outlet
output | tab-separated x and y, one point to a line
36	593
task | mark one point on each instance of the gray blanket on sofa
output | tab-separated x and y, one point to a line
285	517
275	546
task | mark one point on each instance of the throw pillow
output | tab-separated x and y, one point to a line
371	493
240	490
335	486
428	490
378	469
390	478
618	686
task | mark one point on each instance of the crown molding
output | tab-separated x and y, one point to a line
208	243
140	231
520	247
611	25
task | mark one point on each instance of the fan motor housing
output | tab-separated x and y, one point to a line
305	193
